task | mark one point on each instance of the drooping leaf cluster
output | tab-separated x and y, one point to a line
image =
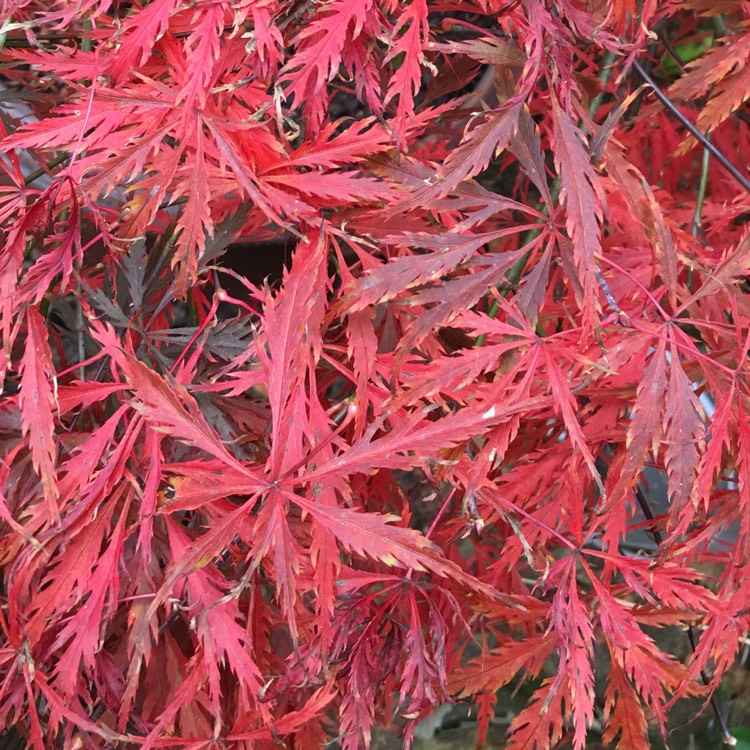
418	467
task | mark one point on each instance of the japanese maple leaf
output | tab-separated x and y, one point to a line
37	403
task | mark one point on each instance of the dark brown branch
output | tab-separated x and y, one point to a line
672	51
692	129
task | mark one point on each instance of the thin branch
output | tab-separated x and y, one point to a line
604	286
697	228
672	51
700	198
692	129
605	73
46	169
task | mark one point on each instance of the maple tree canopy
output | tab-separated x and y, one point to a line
419	467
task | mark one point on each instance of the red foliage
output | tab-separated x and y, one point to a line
413	471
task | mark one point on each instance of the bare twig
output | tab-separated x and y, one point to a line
692	129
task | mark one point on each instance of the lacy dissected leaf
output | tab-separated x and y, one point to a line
733	265
78	469
565	401
332	148
340	186
363	347
138	35
684	428
402	273
645	428
527	148
292	324
574	638
423	440
68	580
473	155
721	72
651	672
625	718
272	532
578	189
497	668
219	630
203	46
423	668
167	404
85	629
410	35
358	706
358	356
195	224
540	724
490	50
320	46
37	403
373	534
729	96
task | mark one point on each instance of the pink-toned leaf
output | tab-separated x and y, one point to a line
37	403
